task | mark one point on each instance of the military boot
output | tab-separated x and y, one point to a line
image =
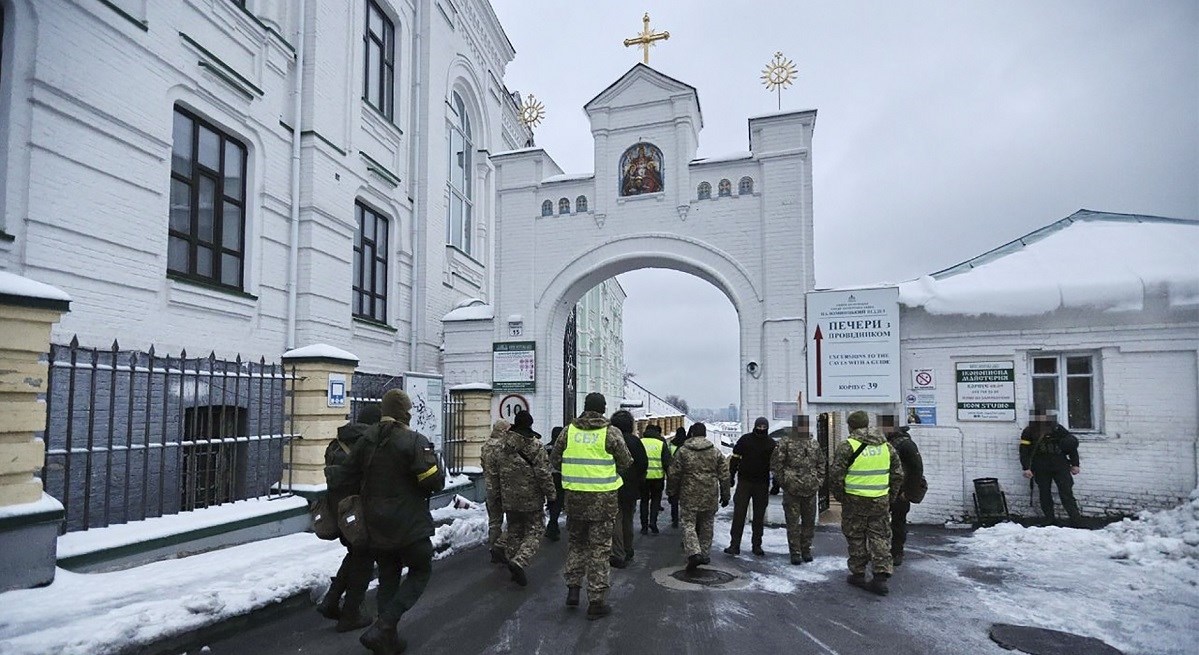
498	556
328	606
351	621
572	596
381	639
806	555
518	574
858	580
897	558
796	559
732	550
878	584
598	609
693	562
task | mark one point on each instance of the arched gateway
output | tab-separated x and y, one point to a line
645	207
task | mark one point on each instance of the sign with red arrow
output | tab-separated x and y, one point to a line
853	346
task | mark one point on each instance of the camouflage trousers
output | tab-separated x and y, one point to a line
866	524
495	524
588	547
697	530
800	512
525	530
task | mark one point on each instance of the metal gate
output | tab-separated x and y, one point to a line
570	370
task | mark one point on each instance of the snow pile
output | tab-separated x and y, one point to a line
1168	534
464	526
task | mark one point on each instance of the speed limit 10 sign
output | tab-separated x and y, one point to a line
511	404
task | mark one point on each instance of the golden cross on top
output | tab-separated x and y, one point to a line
646	38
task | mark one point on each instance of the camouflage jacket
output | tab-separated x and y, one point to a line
698	476
798	464
840	464
524	473
489	459
585	505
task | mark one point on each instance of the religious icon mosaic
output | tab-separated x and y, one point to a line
641	170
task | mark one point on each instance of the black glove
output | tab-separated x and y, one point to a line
732	480
724	503
774	491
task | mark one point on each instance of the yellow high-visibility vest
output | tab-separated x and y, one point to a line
653	449
870	474
586	464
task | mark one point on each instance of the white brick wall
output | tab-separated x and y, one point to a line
86	169
1143	456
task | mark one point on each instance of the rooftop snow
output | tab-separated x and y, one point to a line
1090	259
320	350
568	177
15	285
480	312
735	156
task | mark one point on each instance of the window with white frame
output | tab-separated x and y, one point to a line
1068	383
459	226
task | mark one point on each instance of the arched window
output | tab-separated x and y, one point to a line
746	186
641	170
459	225
581	204
563	206
725	188
704	192
547	208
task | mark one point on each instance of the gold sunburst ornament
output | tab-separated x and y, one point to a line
778	74
532	112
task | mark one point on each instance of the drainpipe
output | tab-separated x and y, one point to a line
293	264
414	150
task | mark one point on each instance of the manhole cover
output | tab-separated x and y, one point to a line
1040	641
705	577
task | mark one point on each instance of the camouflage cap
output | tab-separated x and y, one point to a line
858	419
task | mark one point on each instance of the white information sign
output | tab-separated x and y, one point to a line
986	391
514	366
336	393
853	346
426	394
922	378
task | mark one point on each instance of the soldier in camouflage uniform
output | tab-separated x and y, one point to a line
590	514
525	485
866	483
698	476
798	467
495	505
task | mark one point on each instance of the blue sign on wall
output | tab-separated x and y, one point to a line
922	415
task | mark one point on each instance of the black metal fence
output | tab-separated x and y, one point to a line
454	426
132	435
368	388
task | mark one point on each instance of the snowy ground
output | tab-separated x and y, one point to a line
98	613
1133	584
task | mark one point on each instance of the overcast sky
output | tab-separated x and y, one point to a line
944	129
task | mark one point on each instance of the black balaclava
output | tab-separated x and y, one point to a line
761	425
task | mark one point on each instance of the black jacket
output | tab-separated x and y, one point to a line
633	478
1056	450
398	471
751	458
909	455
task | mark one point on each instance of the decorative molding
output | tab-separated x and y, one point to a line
221	70
599	219
141	24
380	170
683	209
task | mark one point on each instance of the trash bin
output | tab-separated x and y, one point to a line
990	503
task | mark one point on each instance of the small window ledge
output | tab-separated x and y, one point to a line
190	292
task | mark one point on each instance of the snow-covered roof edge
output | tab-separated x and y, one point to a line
1056	226
319	351
568	177
479	312
24	292
471	386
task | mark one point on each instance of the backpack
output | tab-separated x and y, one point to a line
324	521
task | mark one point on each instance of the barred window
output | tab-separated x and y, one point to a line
581	204
564	206
547	208
378	84
370	264
208	203
724	189
704	191
745	186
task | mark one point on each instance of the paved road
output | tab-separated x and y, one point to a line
471	607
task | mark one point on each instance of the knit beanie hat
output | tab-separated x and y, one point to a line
522	419
697	430
622	420
595	402
397	405
858	419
